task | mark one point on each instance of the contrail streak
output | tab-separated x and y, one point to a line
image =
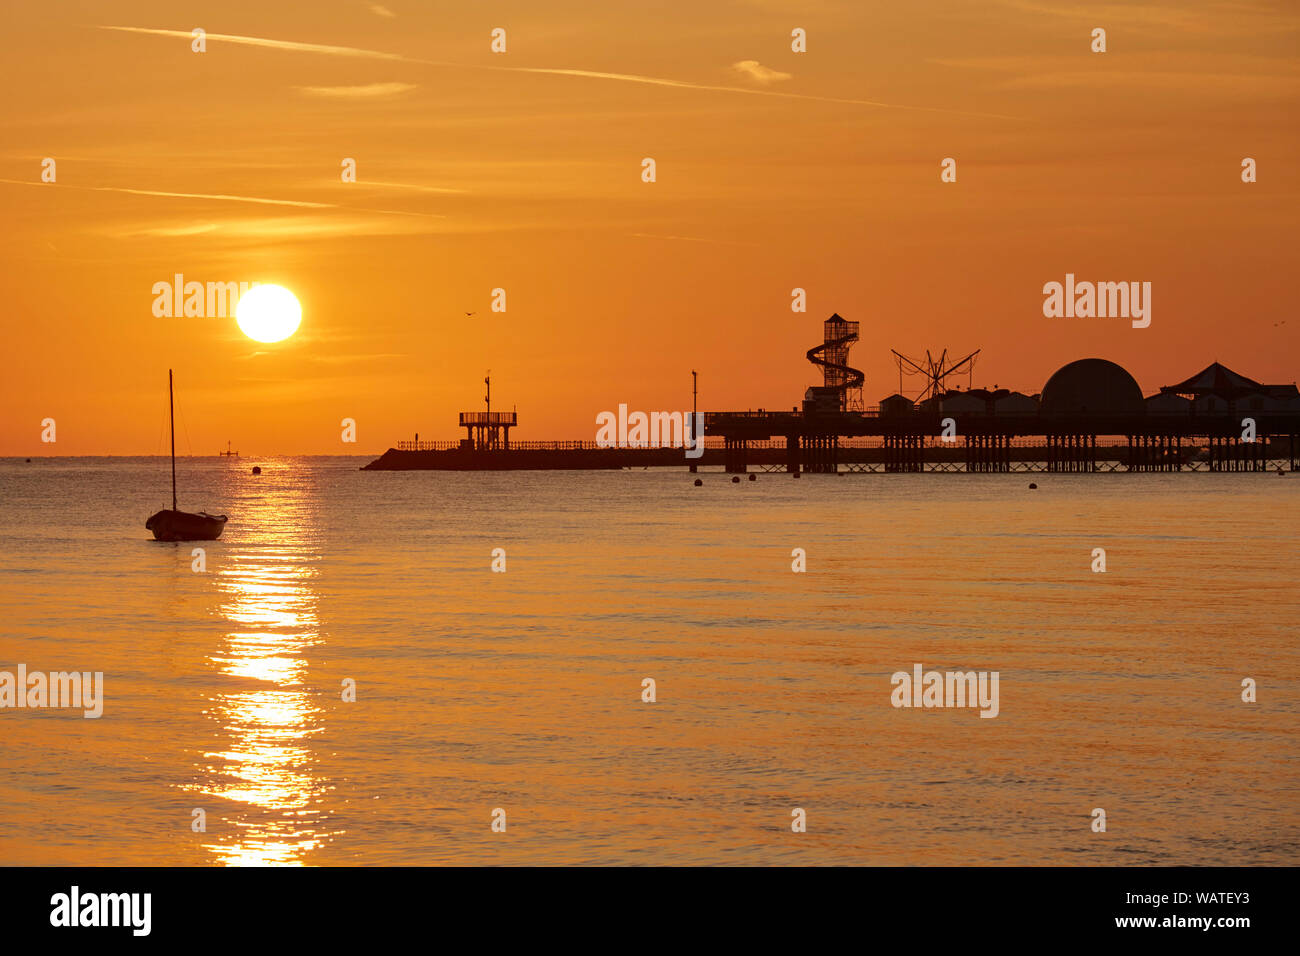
158	192
223	197
275	44
357	52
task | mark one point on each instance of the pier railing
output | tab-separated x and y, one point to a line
717	441
781	415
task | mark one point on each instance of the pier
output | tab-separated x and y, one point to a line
1090	417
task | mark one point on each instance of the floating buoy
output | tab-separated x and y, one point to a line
796	474
753	477
257	469
698	482
29	461
1032	485
735	479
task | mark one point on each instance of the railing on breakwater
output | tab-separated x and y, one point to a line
427	445
514	446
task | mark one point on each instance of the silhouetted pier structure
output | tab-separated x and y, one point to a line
1135	444
1091	416
1217	418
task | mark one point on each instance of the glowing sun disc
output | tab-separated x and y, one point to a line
268	313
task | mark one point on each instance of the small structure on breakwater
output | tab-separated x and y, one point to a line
488	430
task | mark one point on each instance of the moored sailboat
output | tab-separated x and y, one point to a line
174	524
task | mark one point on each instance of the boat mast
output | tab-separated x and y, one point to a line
171	416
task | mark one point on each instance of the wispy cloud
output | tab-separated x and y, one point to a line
158	192
356	52
1226	74
220	197
379	10
346	224
725	242
759	73
264	228
368	91
274	44
1159	16
679	84
413	187
196	229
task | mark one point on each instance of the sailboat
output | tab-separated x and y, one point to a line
176	525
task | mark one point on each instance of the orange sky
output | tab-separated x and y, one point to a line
1116	166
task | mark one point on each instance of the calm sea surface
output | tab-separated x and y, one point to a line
522	691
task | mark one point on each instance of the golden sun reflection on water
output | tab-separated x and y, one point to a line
267	768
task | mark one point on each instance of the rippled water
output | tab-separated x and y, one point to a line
521	691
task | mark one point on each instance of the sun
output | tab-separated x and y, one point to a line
268	313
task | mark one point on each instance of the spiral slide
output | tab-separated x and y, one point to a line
833	354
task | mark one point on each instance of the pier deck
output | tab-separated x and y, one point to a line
867	442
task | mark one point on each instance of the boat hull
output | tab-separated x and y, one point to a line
170	525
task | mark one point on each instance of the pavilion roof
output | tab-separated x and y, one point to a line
1215	379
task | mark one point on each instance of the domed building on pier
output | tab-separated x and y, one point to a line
1092	386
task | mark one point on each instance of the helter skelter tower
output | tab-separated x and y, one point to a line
842	384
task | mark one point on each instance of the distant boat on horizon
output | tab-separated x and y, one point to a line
174	524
